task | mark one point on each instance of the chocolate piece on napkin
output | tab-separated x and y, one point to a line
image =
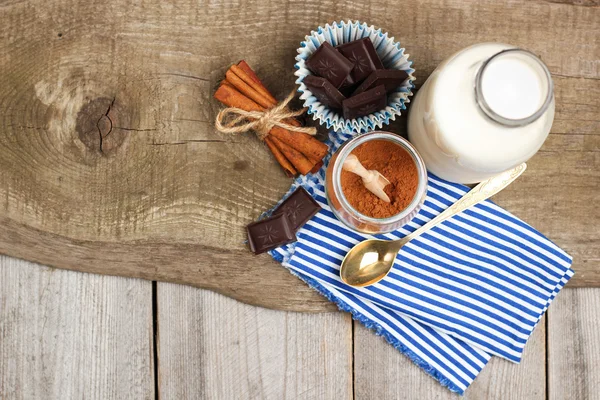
366	103
330	64
299	208
324	91
364	56
269	233
390	78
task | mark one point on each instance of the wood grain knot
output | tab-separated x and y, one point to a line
241	165
96	125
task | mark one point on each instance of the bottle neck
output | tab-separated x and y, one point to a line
513	87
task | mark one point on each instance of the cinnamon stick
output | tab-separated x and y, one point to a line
243	65
246	68
248	90
287	166
238	78
298	160
290	121
317	167
295	151
245	73
305	144
228	94
231	97
226	82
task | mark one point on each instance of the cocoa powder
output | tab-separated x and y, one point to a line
393	162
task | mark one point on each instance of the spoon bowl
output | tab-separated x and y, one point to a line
372	260
369	262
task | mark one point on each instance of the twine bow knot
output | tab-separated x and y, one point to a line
261	122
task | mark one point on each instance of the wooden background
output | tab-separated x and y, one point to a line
68	335
109	161
164	197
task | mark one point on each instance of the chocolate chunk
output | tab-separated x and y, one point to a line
366	103
348	87
364	56
349	82
348	90
270	233
299	208
390	78
330	64
373	53
324	91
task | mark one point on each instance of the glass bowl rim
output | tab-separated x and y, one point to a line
379	135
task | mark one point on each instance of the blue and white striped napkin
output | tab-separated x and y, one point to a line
472	287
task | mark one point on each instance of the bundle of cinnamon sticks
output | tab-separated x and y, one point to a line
295	151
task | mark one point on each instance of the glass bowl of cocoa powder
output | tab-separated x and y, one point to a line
396	159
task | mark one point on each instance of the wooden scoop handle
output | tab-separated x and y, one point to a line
371	179
352	164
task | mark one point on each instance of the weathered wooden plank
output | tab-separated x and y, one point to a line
67	335
110	140
213	347
190	264
574	345
381	372
502	379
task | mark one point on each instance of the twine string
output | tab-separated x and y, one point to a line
260	122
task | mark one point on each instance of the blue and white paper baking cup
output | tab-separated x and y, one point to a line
390	53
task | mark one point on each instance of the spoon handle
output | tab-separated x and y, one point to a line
479	193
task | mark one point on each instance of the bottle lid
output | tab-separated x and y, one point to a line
514	87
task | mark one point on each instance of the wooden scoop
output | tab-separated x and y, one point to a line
373	180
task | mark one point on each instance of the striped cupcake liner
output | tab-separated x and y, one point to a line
390	53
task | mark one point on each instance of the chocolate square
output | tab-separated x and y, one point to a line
348	87
270	233
366	103
330	64
299	208
349	82
390	78
373	53
364	56
324	91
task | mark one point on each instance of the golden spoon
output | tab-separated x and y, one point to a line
370	261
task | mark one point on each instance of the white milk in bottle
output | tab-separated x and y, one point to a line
484	110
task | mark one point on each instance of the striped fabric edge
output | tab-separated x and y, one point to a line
482	331
503	331
423	345
486	213
443	357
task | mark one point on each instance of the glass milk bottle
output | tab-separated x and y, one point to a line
484	110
